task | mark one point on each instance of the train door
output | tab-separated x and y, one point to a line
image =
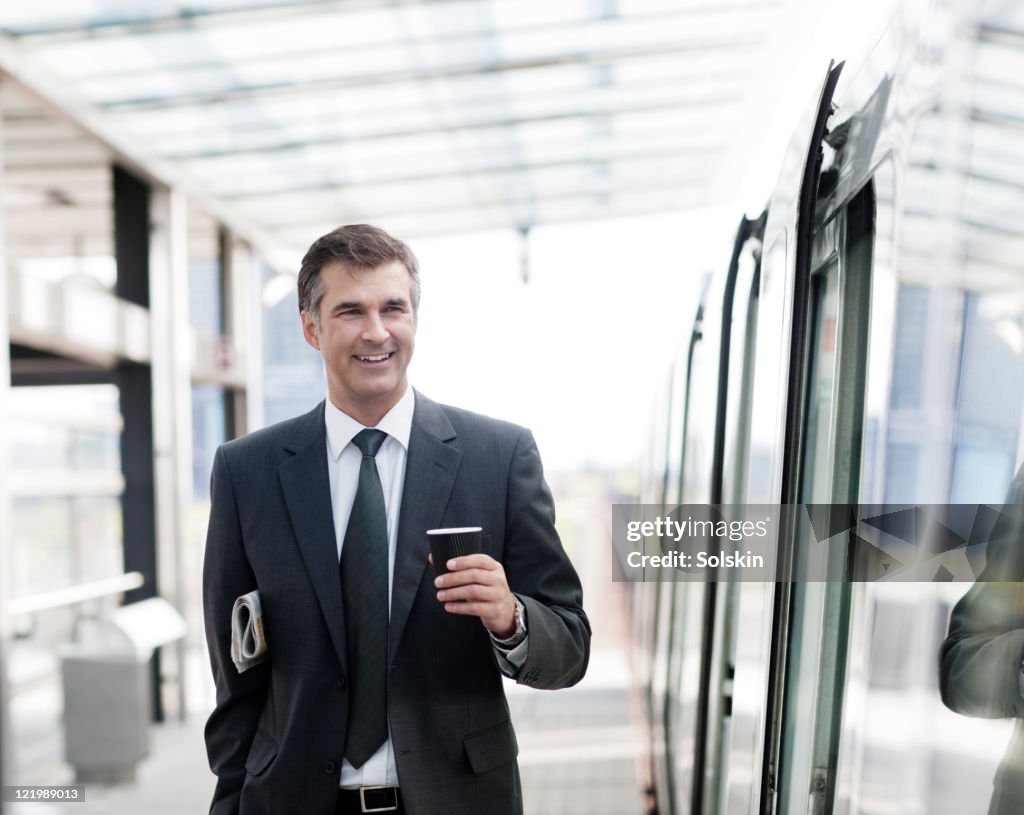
775	426
667	611
642	602
828	442
647	608
829	474
729	480
945	427
685	630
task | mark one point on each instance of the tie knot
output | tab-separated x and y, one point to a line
369	441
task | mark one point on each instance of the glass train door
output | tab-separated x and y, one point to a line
685	631
730	748
829	440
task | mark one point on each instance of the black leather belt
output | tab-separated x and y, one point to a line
369	799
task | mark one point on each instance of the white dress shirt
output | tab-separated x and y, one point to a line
343	462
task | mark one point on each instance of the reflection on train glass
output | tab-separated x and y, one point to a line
863	344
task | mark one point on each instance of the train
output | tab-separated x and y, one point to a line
862	343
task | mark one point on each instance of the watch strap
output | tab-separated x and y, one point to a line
519	634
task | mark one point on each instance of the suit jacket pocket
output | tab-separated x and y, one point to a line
491	748
262	752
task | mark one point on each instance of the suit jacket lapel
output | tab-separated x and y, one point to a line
307	493
430	469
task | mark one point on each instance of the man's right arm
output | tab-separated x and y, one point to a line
240	697
982	658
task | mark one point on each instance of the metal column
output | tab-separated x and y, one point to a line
171	354
247	272
241	319
156	444
6	554
231	321
135	383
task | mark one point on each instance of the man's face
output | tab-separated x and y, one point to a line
366	337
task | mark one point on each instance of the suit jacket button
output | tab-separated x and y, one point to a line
330	767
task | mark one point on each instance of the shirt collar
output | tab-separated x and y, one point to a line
342	428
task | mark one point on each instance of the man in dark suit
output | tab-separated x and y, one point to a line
981	661
383	688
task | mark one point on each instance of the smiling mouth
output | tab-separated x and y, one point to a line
375	357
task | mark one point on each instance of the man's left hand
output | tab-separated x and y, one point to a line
476	585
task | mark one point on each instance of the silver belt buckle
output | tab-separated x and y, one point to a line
362	799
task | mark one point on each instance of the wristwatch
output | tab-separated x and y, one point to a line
520	633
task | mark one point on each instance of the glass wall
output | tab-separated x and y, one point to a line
66	530
293	374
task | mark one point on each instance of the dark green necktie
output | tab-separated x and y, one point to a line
364	590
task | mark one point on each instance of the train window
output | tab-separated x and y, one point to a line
741	375
672	482
952	434
988	407
816	486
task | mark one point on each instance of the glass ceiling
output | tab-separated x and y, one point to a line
424	117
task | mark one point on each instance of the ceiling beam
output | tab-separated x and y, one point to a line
569	33
998	118
237	180
598	189
481	173
473	219
1001	35
707	103
188	19
192	19
657	73
271	90
365	116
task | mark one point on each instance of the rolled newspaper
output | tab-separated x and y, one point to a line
248	639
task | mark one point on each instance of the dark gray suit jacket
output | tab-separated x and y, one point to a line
276	737
980	659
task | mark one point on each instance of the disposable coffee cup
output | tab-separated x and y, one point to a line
448	543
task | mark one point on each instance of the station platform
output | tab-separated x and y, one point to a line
581	749
580	753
